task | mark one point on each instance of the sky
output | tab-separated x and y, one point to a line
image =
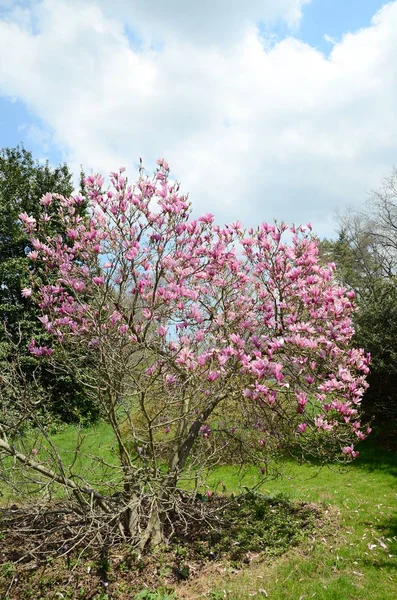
264	109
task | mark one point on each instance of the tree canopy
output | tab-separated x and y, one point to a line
23	184
210	341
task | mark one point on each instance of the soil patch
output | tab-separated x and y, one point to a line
52	553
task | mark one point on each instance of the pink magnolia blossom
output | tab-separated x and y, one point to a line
205	431
46	200
250	314
39	351
302	401
213	375
302	427
99	280
33	255
349	450
28	222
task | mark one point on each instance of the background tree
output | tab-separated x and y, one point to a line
366	257
23	182
207	340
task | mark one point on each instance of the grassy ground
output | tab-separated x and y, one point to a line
353	558
94	460
356	559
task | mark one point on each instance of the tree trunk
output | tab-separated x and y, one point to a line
154	532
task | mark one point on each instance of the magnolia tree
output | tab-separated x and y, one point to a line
212	344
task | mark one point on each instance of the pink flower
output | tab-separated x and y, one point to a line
350	451
46	200
202	359
302	401
277	368
26	292
146	313
78	286
98	280
33	255
213	375
162	163
200	335
205	430
206	218
271	398
39	351
28	222
162	331
151	370
46	322
170	379
302	427
73	234
131	254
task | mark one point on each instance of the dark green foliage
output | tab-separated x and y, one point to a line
255	523
376	331
360	267
23	182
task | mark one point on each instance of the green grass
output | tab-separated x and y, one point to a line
349	562
94	461
354	558
96	449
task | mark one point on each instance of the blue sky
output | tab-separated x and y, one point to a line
17	125
276	122
335	18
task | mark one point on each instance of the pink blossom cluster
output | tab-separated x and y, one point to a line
213	302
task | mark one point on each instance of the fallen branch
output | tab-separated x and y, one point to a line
53	476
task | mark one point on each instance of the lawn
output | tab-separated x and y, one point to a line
353	557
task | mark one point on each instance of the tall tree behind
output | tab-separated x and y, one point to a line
366	257
23	182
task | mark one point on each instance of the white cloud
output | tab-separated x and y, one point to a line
330	39
253	133
202	22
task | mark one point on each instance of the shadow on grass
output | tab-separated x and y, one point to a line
388	528
376	455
